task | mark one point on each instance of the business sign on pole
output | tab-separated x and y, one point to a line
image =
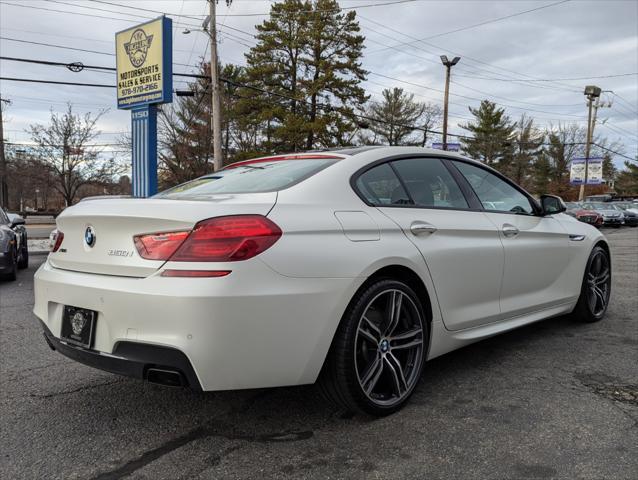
144	57
451	147
577	171
594	171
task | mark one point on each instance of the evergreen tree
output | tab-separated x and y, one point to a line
492	136
398	114
627	179
184	128
308	55
528	142
542	174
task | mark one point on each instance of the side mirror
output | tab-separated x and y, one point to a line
552	204
15	220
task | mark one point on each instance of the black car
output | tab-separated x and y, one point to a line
14	253
631	218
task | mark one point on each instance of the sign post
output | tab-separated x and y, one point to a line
144	56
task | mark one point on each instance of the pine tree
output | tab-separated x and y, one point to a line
185	134
542	174
627	179
492	136
398	114
308	55
528	142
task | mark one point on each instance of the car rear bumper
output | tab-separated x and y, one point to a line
132	359
254	328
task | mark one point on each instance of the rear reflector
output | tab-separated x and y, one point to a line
159	246
55	240
195	273
219	239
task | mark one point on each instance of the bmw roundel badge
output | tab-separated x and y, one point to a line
89	236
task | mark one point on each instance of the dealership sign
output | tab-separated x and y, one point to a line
144	64
592	169
144	57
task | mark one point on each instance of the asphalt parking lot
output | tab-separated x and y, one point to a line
554	399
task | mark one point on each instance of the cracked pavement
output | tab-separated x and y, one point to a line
556	399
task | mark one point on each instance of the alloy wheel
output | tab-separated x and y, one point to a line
389	347
598	283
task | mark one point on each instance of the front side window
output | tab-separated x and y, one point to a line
429	183
495	194
265	176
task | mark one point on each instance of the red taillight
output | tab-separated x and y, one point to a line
159	246
55	240
228	239
195	273
220	239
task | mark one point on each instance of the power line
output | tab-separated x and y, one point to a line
559	79
472	98
614	152
334	10
77	84
516	101
468	27
465	57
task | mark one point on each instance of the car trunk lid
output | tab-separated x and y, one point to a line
114	223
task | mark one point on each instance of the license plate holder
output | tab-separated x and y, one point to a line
78	326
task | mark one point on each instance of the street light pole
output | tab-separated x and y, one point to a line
591	92
448	67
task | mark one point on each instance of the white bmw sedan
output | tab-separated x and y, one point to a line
350	268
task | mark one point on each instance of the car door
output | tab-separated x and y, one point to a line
460	246
536	247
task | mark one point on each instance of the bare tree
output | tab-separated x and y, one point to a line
65	146
430	119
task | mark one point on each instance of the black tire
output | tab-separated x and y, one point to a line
596	288
353	353
23	261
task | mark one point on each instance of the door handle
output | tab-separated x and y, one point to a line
509	230
420	228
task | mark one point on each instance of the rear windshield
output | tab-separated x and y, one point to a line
251	178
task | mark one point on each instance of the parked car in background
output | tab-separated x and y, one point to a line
627	206
612	217
630	215
582	214
14	252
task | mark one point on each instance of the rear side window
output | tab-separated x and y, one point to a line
249	178
380	186
429	183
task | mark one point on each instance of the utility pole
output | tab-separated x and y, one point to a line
591	92
448	67
4	188
218	159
